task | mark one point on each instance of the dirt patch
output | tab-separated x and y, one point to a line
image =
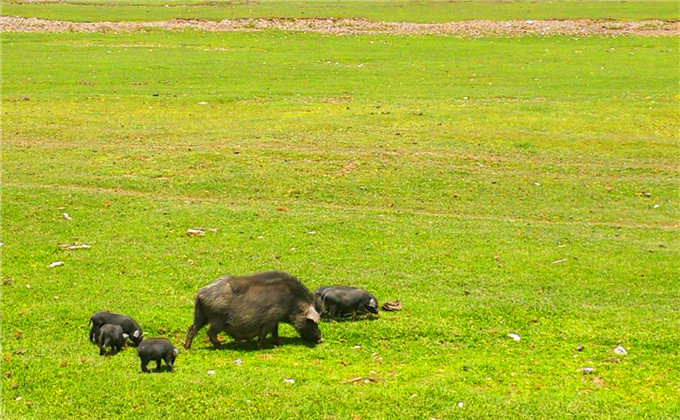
334	26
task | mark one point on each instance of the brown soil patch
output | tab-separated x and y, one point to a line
583	27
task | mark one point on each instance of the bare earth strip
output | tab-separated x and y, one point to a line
361	26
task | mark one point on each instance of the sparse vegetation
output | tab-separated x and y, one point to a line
377	10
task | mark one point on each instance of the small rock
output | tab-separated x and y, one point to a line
460	404
196	232
514	337
238	362
66	216
656	206
74	247
579	348
619	350
356	347
211	372
289	381
587	370
56	264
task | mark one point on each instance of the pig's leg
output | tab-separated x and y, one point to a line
191	332
158	365
261	336
103	346
144	363
199	321
169	361
93	335
212	335
275	335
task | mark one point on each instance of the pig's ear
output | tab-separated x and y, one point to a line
125	335
136	334
175	351
372	303
313	315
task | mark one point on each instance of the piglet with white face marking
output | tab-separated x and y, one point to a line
129	325
157	349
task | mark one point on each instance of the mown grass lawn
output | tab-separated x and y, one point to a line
493	185
379	10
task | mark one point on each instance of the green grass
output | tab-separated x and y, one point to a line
379	10
449	173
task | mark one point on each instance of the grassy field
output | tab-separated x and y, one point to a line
493	185
380	10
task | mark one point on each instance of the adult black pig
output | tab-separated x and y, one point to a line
250	306
129	325
342	300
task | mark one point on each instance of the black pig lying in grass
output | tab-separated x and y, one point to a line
111	336
253	306
157	349
129	325
342	300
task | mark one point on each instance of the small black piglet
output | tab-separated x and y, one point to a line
111	336
157	349
342	300
129	325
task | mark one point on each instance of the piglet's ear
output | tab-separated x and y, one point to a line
312	314
125	335
176	351
372	303
136	334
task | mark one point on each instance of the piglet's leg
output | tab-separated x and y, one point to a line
168	361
